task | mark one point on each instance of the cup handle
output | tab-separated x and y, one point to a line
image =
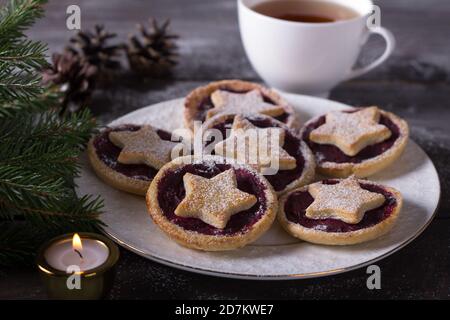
390	45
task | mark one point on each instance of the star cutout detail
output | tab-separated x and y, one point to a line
213	200
345	201
351	132
143	146
236	103
259	147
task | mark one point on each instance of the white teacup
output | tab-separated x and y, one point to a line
308	58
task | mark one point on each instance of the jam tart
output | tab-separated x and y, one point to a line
340	211
359	141
211	203
235	97
128	156
295	162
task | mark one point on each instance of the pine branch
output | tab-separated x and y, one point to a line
18	242
18	16
25	54
38	161
39	149
19	57
57	214
46	129
18	84
11	108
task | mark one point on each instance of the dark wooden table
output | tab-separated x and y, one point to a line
415	83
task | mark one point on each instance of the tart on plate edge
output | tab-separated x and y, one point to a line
236	96
183	200
120	156
340	211
284	179
370	146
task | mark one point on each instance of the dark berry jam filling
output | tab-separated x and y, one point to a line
297	203
292	145
331	153
207	104
109	152
171	191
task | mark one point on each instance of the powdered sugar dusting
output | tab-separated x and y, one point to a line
275	254
238	103
259	147
210	161
351	132
213	200
345	201
162	116
142	146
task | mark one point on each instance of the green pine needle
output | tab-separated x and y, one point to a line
18	16
10	108
18	242
20	57
39	150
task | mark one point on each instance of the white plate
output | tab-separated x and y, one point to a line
275	255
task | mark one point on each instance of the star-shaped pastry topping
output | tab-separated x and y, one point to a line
351	132
345	201
143	146
236	103
259	147
213	200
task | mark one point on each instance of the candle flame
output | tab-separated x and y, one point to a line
76	243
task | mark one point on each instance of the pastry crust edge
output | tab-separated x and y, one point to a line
309	169
198	241
370	166
340	238
113	178
195	97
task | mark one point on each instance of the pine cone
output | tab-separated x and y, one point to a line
72	76
92	46
154	51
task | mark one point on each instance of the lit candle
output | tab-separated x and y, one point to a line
91	257
86	254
